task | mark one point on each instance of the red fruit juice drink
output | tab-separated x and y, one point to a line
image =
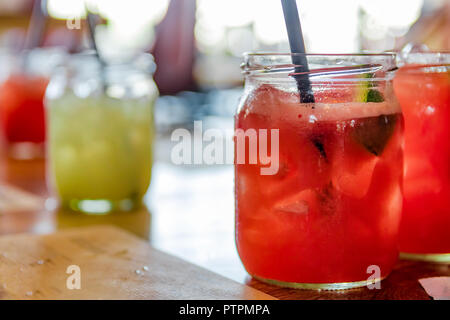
329	217
423	90
23	81
22	108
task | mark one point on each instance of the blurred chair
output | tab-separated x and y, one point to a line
431	29
174	48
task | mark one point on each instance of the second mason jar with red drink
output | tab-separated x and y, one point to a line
422	86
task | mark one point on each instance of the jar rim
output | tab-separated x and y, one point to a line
257	54
321	66
426	53
424	59
140	61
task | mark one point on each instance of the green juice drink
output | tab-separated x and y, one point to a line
100	149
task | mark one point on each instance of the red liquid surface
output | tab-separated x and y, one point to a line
22	108
333	208
425	101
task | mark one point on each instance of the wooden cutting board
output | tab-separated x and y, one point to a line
113	264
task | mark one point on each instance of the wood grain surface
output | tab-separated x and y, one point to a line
402	284
114	265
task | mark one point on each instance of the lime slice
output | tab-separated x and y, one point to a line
366	92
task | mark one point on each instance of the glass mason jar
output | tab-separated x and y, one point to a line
23	81
318	186
101	130
422	86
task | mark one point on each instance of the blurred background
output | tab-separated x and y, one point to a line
198	44
198	47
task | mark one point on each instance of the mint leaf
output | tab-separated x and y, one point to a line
374	95
374	133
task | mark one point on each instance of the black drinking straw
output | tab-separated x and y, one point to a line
92	24
297	45
36	28
35	32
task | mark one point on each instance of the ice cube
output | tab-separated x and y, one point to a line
420	177
296	206
66	156
280	183
354	179
390	222
299	203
